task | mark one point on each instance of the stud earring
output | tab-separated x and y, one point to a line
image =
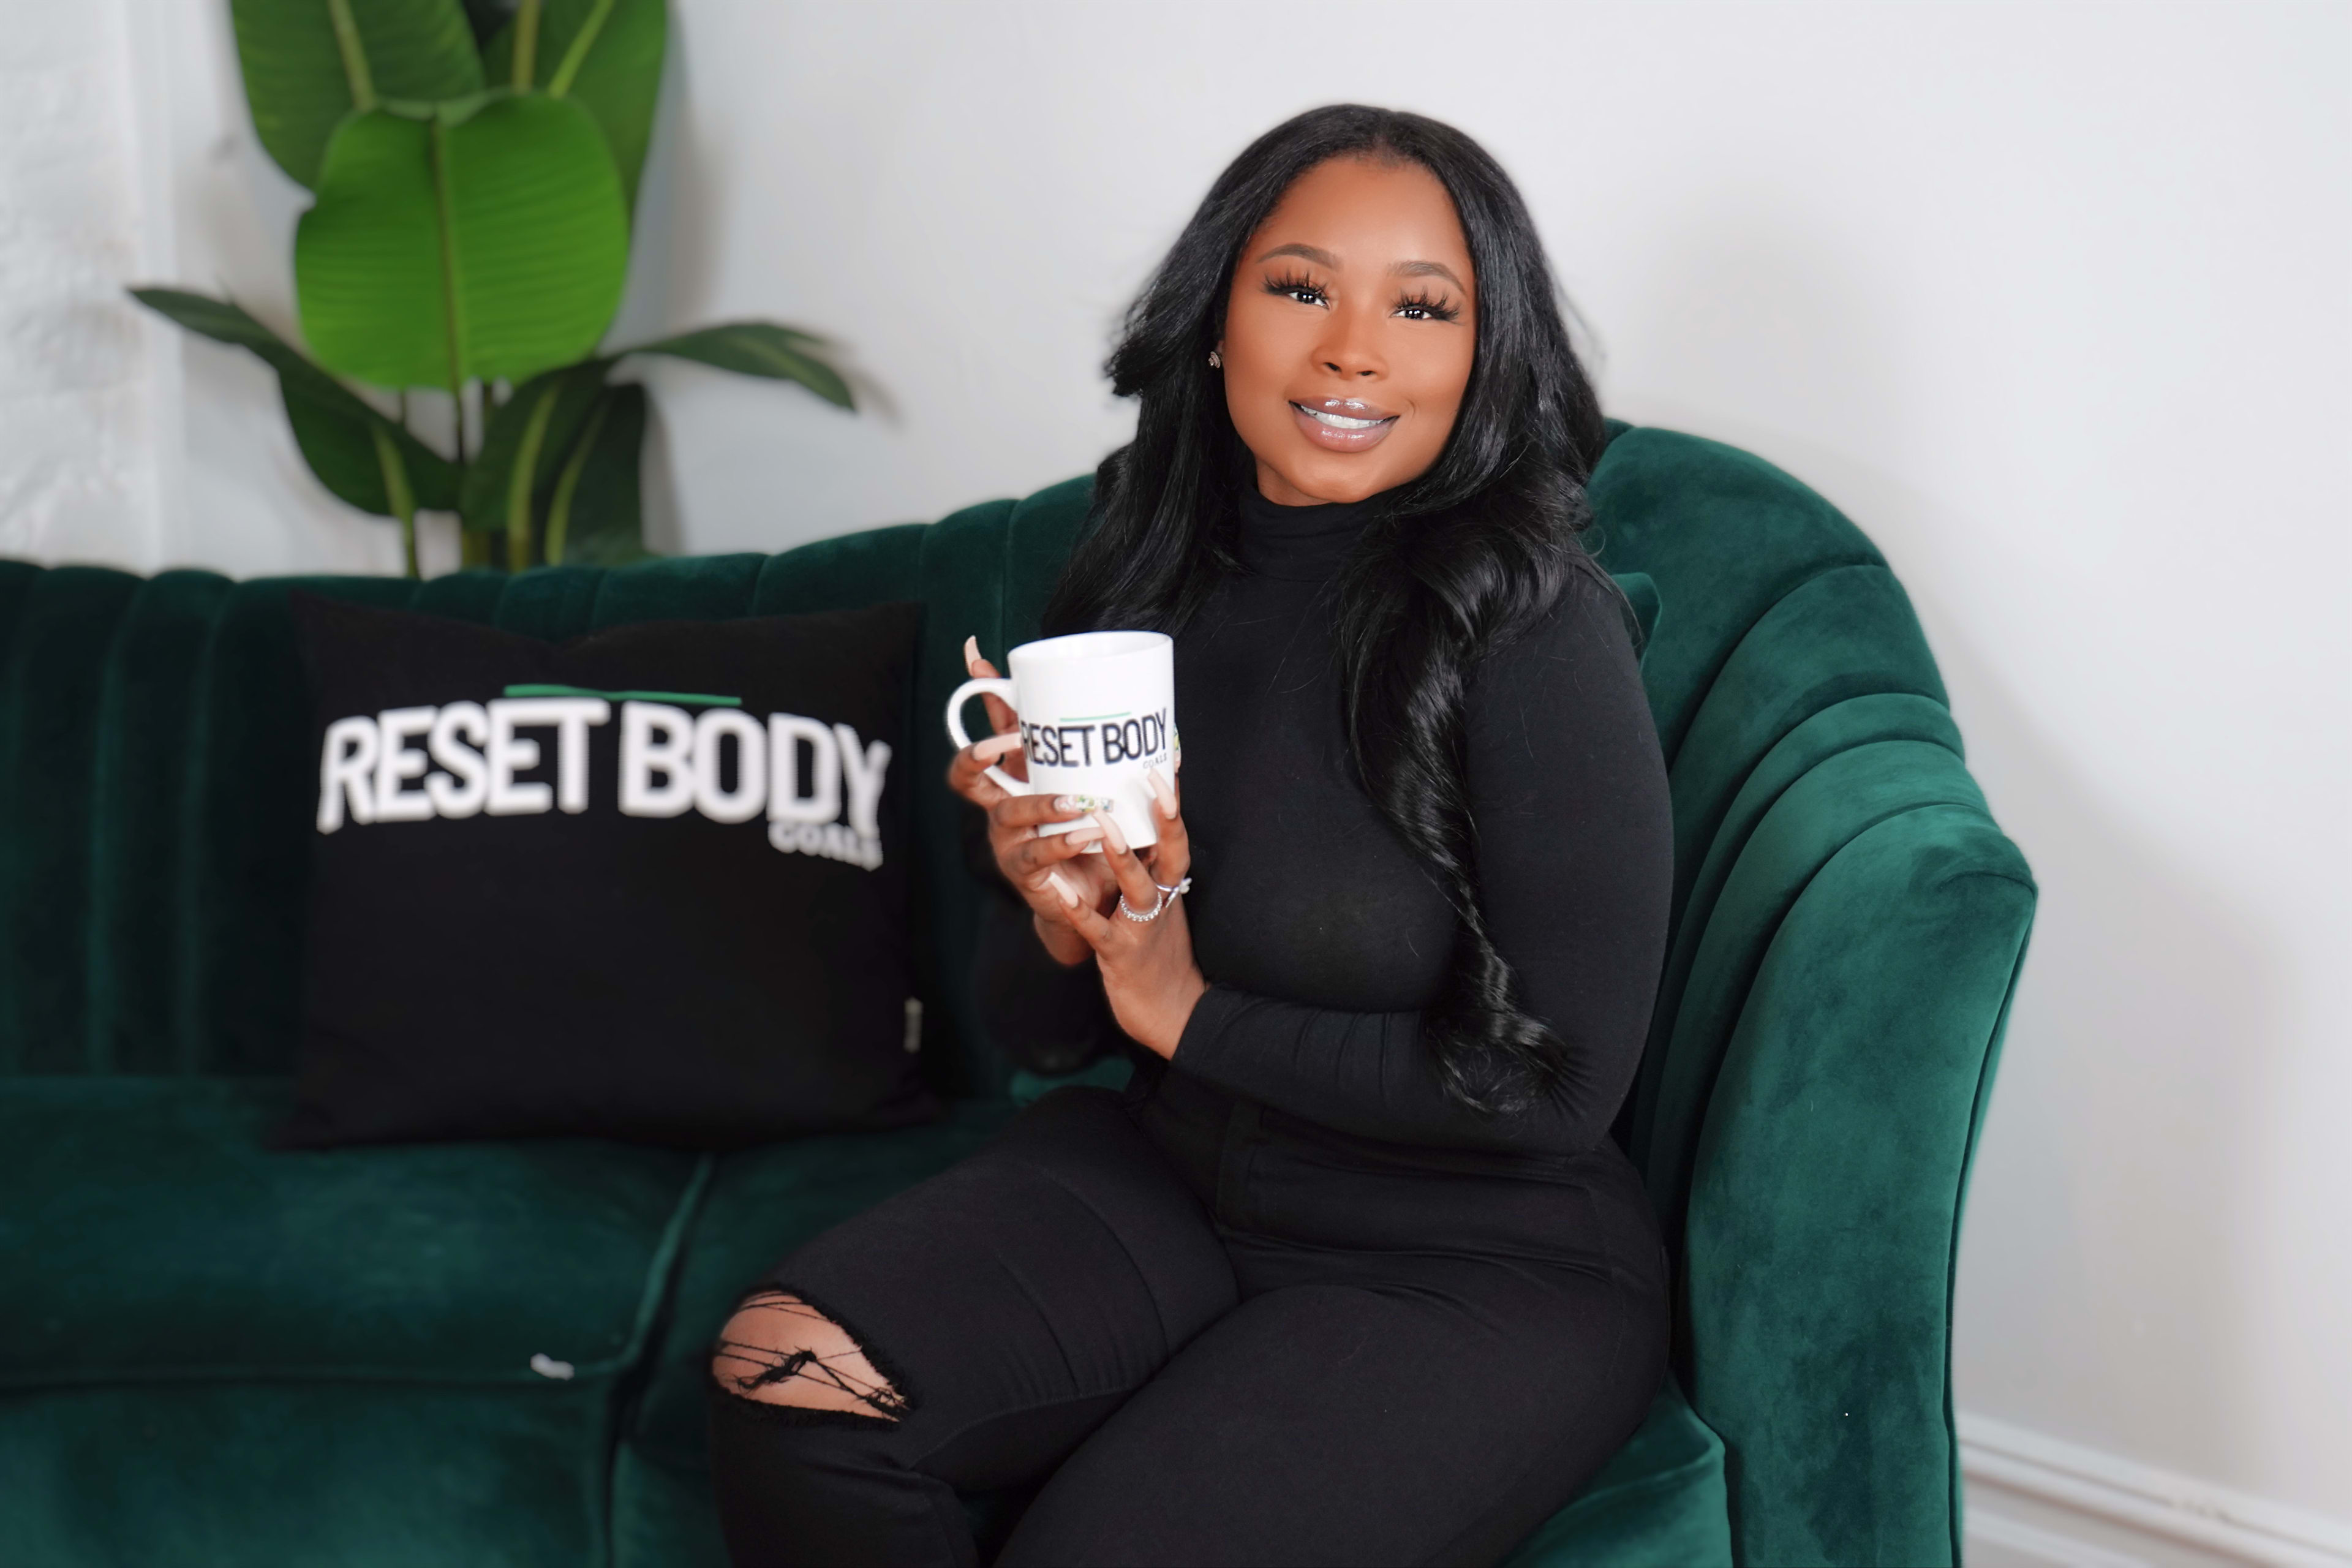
1214	361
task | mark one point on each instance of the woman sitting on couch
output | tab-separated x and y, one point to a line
1352	1271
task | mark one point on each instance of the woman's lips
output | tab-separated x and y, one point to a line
1343	424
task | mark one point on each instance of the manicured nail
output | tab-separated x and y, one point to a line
971	656
1062	886
1112	836
997	746
1077	804
1163	793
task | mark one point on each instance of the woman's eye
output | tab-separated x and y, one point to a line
1293	288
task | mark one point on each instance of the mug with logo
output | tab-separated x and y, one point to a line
1096	710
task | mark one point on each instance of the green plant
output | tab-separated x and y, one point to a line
474	166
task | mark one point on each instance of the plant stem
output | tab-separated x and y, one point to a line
397	492
526	45
518	480
577	55
558	506
354	53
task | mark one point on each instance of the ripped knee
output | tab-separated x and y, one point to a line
779	1350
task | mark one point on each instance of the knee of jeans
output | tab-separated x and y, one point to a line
780	1349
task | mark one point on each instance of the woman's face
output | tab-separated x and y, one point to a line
1348	332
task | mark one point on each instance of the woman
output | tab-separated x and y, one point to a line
1352	1271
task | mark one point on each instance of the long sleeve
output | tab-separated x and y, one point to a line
1574	864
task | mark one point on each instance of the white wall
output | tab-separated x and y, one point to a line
77	374
2051	301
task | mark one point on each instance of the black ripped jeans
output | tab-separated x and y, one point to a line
1206	1333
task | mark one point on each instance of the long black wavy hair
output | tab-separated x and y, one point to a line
1451	565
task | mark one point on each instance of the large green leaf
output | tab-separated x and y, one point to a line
605	53
596	515
308	63
336	429
487	239
757	348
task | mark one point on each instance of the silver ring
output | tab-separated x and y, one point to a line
1158	909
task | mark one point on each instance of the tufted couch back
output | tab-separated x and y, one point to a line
1848	919
155	768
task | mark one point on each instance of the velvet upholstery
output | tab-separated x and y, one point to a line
215	1354
204	1254
1818	788
262	1474
66	622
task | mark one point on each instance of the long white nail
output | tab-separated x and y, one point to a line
971	656
1112	836
1163	793
1062	886
996	746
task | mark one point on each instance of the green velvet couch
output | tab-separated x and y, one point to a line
215	1355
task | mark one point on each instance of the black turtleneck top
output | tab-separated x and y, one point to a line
1321	935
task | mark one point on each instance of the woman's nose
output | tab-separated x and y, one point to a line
1348	348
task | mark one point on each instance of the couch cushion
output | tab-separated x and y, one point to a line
147	1235
271	1475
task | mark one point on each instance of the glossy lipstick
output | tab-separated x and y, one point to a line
1342	424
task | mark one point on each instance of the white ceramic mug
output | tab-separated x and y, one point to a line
1096	710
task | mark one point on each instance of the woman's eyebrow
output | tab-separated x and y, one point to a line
1401	270
1320	257
1428	269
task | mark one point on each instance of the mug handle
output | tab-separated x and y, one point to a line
1000	687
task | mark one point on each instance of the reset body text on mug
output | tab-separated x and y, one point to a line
1116	739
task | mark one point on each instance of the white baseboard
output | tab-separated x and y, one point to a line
1998	1539
2092	1509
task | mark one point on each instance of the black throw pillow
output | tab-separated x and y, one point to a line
650	884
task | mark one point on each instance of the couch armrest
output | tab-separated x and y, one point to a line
1824	1208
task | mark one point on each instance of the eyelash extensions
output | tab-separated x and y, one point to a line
1432	307
1438	309
1295	283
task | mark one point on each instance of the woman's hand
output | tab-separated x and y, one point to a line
1148	970
1147	967
1051	872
